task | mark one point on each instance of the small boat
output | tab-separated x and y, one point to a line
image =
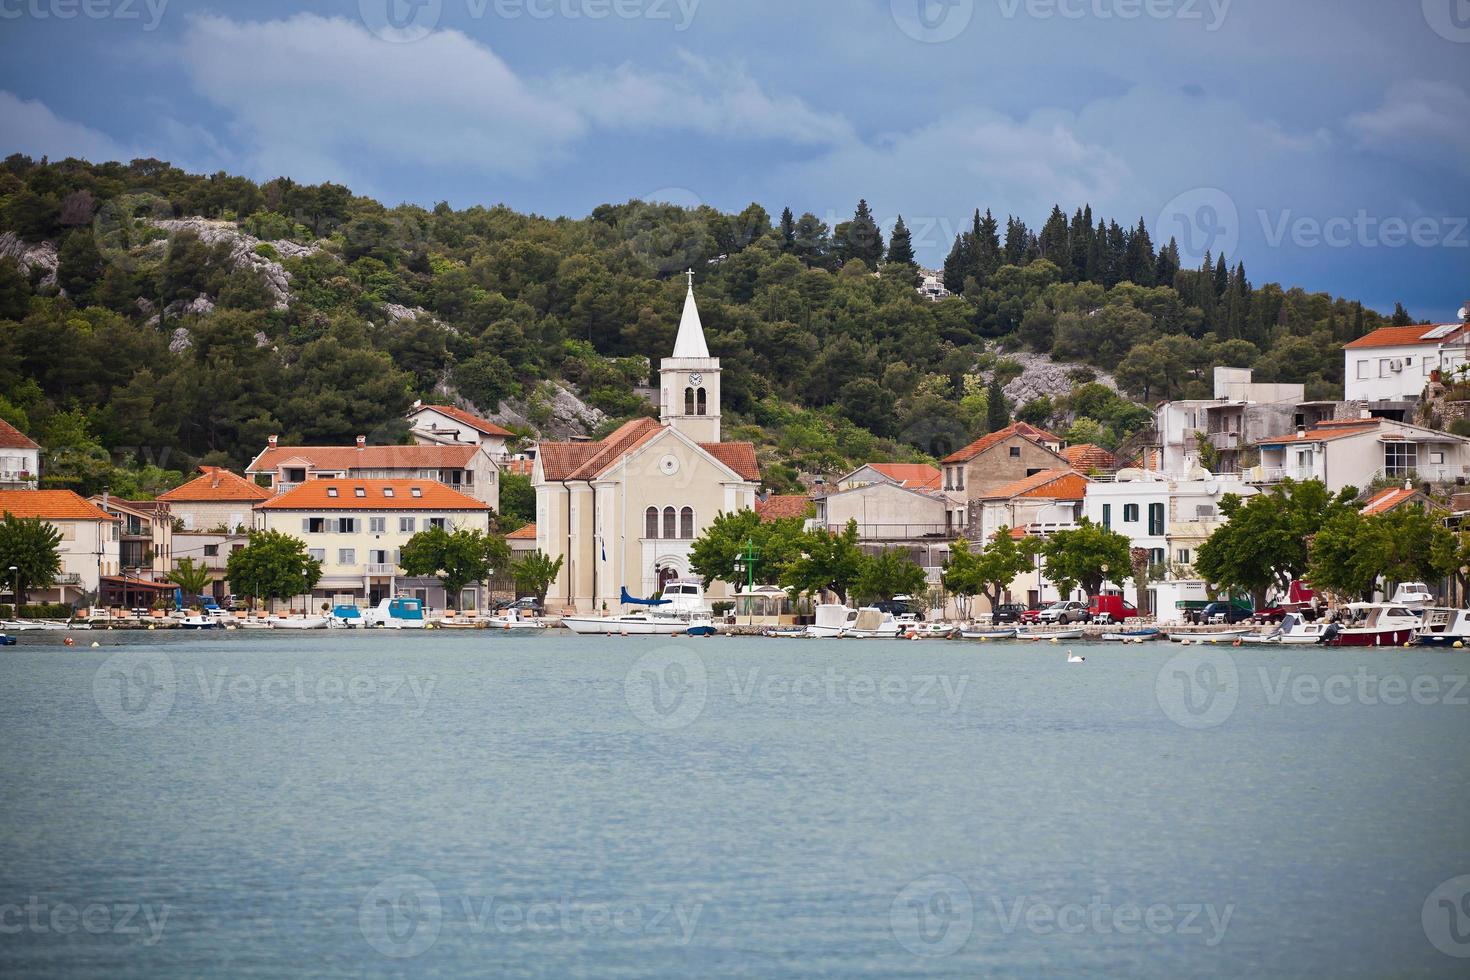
6	640
511	619
298	623
346	616
932	631
989	633
1412	595
200	622
1214	636
1050	634
831	619
701	626
1296	631
1373	624
669	615
1444	628
870	623
398	613
1135	636
787	632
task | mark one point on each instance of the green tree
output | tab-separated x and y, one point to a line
457	558
33	546
891	572
517	501
717	555
1352	553
272	565
997	414
901	244
828	561
961	575
1002	559
1086	556
534	574
191	576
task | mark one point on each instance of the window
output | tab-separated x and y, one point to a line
686	523
1156	520
1015	452
347	525
415	491
387	491
377	525
1436	458
405	525
1130	513
1107	516
1156	556
211	551
331	491
1384	369
1184	556
1033	471
295	475
702	405
346	556
438	522
1399	458
1363	371
359	491
318	554
688	401
669	517
314	525
650	523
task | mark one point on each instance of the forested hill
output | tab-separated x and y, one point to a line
134	344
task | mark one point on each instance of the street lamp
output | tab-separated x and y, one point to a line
15	593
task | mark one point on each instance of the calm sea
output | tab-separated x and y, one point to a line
335	804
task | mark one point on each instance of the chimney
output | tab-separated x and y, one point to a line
1301	432
270	441
361	442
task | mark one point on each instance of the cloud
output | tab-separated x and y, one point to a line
1421	120
30	127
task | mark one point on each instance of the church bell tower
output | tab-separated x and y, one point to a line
690	380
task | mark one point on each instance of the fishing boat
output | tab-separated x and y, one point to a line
1074	633
787	632
668	615
1210	636
932	631
346	617
701	625
870	623
298	623
1412	595
1373	624
200	622
398	613
1443	627
1296	631
511	619
989	633
831	620
1135	636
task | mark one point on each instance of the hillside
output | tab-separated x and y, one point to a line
151	320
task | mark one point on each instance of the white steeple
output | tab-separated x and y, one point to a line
690	341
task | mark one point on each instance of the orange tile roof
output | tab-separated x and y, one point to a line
52	505
986	442
368	457
739	456
585	460
1050	484
1387	500
779	506
13	438
1401	336
915	476
1089	457
524	533
523	467
216	484
316	495
473	421
1326	432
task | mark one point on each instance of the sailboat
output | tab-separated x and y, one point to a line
680	607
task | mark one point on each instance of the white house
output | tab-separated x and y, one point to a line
90	541
1394	363
20	459
447	425
1355	452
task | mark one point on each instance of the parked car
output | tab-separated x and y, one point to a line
1008	612
1273	613
1224	612
1031	616
1110	608
1062	613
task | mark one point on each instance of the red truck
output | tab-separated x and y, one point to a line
1110	608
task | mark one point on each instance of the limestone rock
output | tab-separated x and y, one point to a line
1043	376
27	257
242	251
181	341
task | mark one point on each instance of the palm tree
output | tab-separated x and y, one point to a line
192	578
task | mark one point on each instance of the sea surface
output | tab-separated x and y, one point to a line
453	804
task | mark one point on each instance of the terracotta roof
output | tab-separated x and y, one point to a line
53	505
985	442
916	476
13	438
473	421
317	495
739	456
585	460
1089	457
522	467
782	505
524	533
368	457
1402	336
1326	431
216	484
1050	484
1387	500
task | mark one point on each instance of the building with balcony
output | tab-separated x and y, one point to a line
216	500
357	528
1040	503
145	534
921	523
1357	452
468	468
90	540
438	425
20	459
1393	364
999	458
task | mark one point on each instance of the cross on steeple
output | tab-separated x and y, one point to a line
690	274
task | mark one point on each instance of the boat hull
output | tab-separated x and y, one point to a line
1009	634
1371	638
616	626
1064	634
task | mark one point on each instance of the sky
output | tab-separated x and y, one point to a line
1325	143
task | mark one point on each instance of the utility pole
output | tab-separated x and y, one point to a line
749	558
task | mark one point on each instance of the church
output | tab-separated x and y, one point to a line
624	512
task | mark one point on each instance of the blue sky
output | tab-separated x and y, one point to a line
1326	143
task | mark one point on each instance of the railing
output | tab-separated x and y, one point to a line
380	568
17	476
1224	440
900	532
69	578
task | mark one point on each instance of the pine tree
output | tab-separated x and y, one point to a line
1140	266
863	239
1079	245
1167	265
1053	238
1401	316
1095	258
957	264
1222	276
901	245
788	230
1017	238
997	415
986	256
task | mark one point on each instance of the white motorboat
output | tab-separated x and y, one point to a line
1373	624
1295	630
1412	595
511	619
870	623
298	623
1211	636
989	633
1142	635
831	620
681	604
31	625
397	613
201	622
1443	627
933	631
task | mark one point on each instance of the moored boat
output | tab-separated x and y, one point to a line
1373	624
870	623
830	620
299	623
1033	633
989	633
399	613
1134	636
1442	627
1209	636
201	622
669	615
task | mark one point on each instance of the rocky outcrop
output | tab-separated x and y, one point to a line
560	412
1041	375
242	251
27	256
180	341
198	306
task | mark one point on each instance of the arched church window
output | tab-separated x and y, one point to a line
686	523
650	522
670	529
703	408
688	401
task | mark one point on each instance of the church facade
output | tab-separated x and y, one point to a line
624	512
